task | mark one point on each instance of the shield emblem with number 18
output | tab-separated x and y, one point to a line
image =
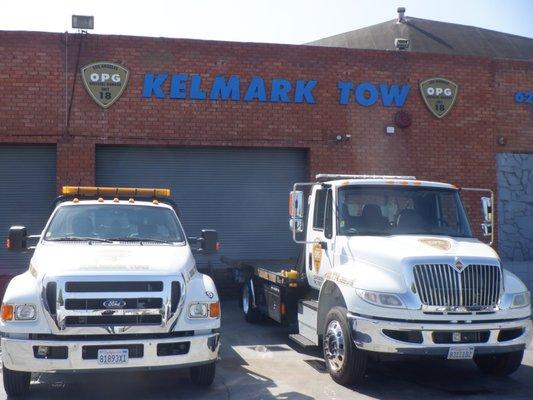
439	95
104	81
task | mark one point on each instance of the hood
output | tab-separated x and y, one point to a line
383	262
68	259
391	252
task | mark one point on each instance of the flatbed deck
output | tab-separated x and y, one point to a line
269	269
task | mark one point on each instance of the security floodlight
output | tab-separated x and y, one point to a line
83	22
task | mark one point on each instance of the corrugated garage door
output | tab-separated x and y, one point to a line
242	193
27	187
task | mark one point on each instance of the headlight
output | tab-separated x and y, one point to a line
19	312
521	300
204	310
25	312
381	299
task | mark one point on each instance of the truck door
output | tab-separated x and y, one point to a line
320	236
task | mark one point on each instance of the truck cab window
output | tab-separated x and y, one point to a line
320	207
328	219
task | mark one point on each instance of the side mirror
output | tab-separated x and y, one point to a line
209	241
296	211
296	204
486	207
17	239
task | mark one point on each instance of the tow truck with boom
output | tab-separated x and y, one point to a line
389	265
112	285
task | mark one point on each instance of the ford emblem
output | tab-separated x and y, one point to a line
114	303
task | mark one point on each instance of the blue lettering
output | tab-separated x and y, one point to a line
196	88
178	86
256	90
394	94
223	90
360	94
304	90
280	91
344	92
152	85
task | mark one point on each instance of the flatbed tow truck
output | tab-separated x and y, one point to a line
388	265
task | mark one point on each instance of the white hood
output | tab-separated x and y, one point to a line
383	262
393	251
67	259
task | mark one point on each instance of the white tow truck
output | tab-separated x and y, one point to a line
112	284
389	265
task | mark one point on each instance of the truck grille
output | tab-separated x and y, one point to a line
133	286
442	285
117	305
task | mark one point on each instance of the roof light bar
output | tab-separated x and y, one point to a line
333	177
114	191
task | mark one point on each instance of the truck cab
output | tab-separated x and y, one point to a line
112	284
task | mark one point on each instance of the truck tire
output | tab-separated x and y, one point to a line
16	383
203	375
345	363
251	313
501	364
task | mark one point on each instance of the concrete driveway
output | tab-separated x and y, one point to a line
258	362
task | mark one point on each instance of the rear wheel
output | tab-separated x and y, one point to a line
203	375
251	313
345	363
501	364
16	383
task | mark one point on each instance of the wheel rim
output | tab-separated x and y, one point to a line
245	299
334	346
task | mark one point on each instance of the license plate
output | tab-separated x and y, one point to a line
460	353
113	356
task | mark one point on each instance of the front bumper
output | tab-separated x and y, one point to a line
18	354
370	334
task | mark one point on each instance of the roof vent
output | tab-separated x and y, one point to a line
401	15
401	44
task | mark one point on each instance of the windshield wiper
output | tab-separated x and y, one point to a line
78	239
131	239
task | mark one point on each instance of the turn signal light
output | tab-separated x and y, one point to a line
214	310
114	191
7	312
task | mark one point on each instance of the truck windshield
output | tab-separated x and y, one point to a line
388	210
108	222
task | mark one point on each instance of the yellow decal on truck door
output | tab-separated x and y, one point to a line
317	256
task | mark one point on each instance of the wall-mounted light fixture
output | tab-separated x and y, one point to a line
390	130
82	22
502	141
343	138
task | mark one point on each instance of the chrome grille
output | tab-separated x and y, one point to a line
78	305
441	285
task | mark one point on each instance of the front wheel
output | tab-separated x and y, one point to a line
501	364
345	363
16	383
203	375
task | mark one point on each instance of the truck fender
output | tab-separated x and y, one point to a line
330	296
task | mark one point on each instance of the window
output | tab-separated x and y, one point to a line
320	207
328	224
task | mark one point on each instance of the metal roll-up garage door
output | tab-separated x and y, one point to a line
242	193
27	187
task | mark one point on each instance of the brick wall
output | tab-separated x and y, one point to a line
37	72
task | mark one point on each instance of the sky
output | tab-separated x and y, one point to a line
274	21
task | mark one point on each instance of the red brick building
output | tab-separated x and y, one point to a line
291	135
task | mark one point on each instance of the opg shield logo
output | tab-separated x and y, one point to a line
105	82
439	95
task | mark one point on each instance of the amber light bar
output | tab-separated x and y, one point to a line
114	191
